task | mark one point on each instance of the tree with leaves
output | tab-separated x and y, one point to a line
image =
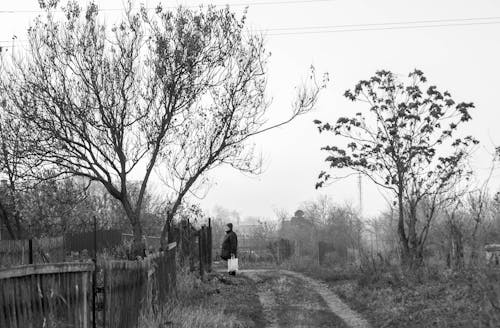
406	143
182	88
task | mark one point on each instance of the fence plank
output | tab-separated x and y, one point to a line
24	270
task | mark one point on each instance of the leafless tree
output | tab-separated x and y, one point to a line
183	88
479	203
16	163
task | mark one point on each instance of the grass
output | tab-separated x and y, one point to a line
211	303
391	297
311	267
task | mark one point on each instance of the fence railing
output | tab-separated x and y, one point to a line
47	295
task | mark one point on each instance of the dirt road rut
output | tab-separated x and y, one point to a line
290	299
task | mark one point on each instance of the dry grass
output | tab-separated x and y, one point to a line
180	315
391	297
311	267
192	308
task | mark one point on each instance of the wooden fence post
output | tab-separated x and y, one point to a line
200	251
209	245
191	250
205	248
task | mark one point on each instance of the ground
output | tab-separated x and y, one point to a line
303	294
271	298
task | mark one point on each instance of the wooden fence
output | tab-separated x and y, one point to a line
131	286
48	295
61	294
205	249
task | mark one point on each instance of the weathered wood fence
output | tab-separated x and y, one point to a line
195	246
61	294
205	248
131	286
47	295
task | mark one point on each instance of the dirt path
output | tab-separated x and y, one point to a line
290	299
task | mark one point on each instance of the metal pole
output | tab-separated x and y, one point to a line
94	275
30	245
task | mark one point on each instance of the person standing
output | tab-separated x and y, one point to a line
229	245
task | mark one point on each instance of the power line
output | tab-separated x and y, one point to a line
304	30
429	21
380	28
235	4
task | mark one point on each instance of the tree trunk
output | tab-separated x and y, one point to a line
457	248
138	248
4	218
166	234
415	250
473	253
405	252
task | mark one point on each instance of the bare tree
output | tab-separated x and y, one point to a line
17	164
232	111
479	203
183	88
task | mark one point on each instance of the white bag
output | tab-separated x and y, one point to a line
232	264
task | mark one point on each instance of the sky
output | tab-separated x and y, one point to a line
463	59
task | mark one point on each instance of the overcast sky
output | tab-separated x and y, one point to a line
463	59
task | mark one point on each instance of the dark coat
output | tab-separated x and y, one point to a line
229	245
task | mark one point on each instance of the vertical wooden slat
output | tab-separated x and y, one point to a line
29	301
15	300
3	309
24	299
105	300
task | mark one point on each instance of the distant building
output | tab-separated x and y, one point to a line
247	227
298	220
